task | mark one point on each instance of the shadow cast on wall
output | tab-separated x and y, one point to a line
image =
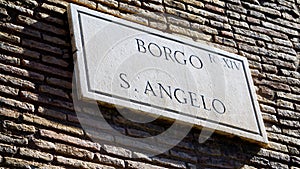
38	118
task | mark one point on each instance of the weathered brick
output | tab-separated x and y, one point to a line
48	69
40	25
135	164
276	85
17	7
178	21
186	15
260	161
237	8
280	28
11	48
21	72
137	19
281	48
291	132
252	34
9	60
278	147
268	31
20	127
4	14
214	8
284	139
80	164
269	68
232	14
234	22
154	7
227	33
275	78
278	165
35	154
158	25
130	8
226	48
293	150
50	19
207	14
7	149
117	151
193	2
250	57
9	37
283	42
278	62
295	160
109	160
44	122
9	90
169	162
266	92
262	9
220	25
69	139
34	97
293	81
55	61
184	156
20	163
73	151
257	14
55	40
52	113
10	139
290	123
16	81
17	104
20	29
43	144
9	113
284	104
59	82
252	49
267	109
106	9
53	91
225	41
269	118
253	20
190	33
288	96
110	3
53	8
41	46
62	4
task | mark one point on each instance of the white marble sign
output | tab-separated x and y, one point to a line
134	66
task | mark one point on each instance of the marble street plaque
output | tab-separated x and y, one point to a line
147	70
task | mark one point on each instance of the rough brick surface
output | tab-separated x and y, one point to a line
38	124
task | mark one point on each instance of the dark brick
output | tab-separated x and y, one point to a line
52	113
45	68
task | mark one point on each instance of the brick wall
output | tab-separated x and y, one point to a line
38	125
